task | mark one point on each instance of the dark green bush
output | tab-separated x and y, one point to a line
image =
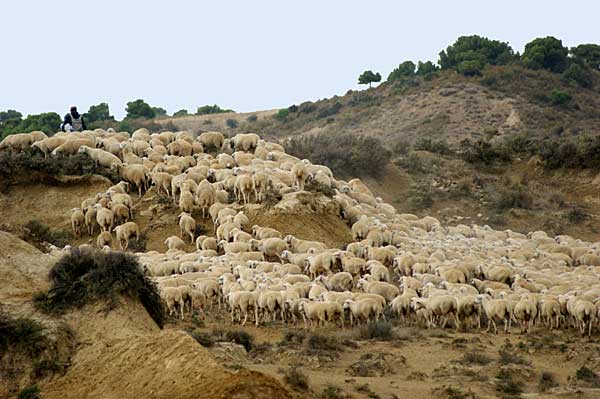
436	146
475	358
588	375
21	334
318	342
576	215
345	154
482	151
82	278
329	110
282	114
515	196
252	118
579	74
231	123
211	109
507	386
420	197
559	97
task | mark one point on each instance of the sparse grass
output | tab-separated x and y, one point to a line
477	358
37	233
295	378
322	343
293	338
451	392
507	386
21	334
32	392
588	375
82	278
378	331
576	215
508	355
420	197
547	381
332	392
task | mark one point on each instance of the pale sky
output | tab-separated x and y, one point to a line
245	55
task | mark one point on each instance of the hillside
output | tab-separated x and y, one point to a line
464	148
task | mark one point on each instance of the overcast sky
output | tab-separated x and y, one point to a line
245	55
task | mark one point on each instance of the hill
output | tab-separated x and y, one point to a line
492	148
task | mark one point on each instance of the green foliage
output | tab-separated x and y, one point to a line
588	375
507	386
515	196
181	112
482	151
211	109
576	215
559	97
368	77
318	342
282	114
139	109
231	123
346	154
405	69
98	112
469	54
31	392
437	147
420	197
546	53
158	111
426	68
21	334
578	74
252	118
10	114
587	54
82	278
48	123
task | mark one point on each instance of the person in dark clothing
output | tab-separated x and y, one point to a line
73	121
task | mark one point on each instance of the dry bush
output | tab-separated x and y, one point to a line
378	331
322	343
239	337
37	233
477	358
547	381
588	375
295	378
82	278
507	386
31	392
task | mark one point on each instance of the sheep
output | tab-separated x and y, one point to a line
242	301
386	290
121	212
440	306
296	245
525	311
101	157
104	217
175	243
299	175
212	139
124	232
205	196
172	297
18	141
71	147
272	247
162	181
549	312
90	219
104	239
260	185
319	263
585	313
77	221
134	174
496	309
363	310
262	233
187	225
342	281
186	202
48	145
244	142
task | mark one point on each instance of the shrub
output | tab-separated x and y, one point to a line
378	331
139	109
559	97
318	342
240	337
420	197
21	334
295	378
211	109
31	392
37	232
475	49
482	151
437	147
546	53
508	355
282	114
346	154
475	358
332	392
576	215
547	381
515	196
307	107
579	75
252	118
231	123
82	278
330	110
293	338
405	69
586	374
507	386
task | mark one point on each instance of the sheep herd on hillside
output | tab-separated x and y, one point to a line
423	272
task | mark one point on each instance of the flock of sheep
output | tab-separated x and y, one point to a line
415	268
